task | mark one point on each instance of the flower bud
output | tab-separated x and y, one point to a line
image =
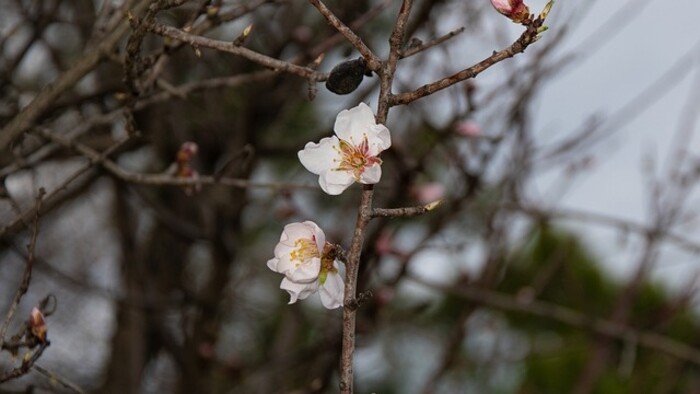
37	324
184	166
187	152
516	10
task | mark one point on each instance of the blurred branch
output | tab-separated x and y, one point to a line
27	276
183	90
27	363
47	97
40	339
622	224
54	377
52	197
413	50
569	317
162	179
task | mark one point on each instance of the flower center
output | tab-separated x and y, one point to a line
304	250
356	158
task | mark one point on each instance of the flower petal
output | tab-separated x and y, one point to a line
298	291
317	233
332	291
320	157
295	231
352	124
379	139
290	259
272	264
371	175
335	182
304	273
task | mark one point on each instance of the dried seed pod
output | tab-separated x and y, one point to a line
347	76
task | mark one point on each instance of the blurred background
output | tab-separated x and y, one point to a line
563	258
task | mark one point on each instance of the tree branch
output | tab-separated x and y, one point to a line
519	46
373	62
46	98
230	47
570	317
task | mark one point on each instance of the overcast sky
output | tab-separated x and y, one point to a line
656	39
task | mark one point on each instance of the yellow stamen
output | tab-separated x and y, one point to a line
304	250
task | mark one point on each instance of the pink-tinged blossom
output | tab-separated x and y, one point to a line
351	155
516	10
428	192
468	128
302	256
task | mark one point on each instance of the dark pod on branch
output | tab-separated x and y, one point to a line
347	76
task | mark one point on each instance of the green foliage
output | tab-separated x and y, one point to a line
559	269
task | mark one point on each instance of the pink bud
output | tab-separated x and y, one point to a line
184	168
468	128
187	151
516	10
37	324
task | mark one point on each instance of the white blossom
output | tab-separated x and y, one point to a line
302	256
350	155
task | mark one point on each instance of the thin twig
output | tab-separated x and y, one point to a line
47	97
608	220
27	364
408	52
402	212
519	46
569	317
27	276
54	377
20	219
162	179
396	40
229	47
373	62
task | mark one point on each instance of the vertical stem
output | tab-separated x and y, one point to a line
351	269
389	67
364	212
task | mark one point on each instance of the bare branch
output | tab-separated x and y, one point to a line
54	377
373	62
230	47
27	276
163	179
46	98
519	46
570	317
413	50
